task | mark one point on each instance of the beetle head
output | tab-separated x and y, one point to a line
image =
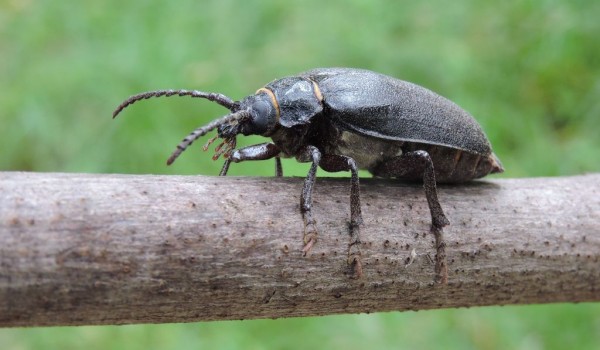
261	120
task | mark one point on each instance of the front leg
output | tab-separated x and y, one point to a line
305	155
261	151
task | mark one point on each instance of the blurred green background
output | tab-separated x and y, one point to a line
529	71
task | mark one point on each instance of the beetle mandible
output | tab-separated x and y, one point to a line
345	119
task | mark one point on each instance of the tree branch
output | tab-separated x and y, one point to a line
112	249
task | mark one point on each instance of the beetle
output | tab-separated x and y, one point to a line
345	119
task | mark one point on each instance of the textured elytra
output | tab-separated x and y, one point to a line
381	106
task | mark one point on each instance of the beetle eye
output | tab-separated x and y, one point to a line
260	118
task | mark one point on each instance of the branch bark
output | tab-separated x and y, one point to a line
112	249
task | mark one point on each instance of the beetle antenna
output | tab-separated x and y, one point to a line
211	96
203	130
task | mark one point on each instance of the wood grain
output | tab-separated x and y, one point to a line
113	249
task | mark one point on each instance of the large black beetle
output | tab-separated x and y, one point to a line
345	119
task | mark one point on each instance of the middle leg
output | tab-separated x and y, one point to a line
335	163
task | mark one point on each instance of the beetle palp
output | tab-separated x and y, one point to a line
203	130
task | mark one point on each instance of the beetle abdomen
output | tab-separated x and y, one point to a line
451	165
367	152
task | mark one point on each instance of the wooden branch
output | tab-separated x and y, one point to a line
112	249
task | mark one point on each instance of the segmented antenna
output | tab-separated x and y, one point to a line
211	96
203	130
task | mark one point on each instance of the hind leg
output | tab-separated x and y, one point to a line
419	163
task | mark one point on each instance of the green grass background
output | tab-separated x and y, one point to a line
529	71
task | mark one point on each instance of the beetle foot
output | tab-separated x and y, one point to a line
439	221
310	239
441	265
354	260
356	267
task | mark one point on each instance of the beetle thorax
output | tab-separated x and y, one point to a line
289	140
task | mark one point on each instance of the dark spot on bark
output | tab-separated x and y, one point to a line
267	298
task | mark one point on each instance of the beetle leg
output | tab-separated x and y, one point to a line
417	162
278	168
335	163
261	151
421	161
305	155
225	167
